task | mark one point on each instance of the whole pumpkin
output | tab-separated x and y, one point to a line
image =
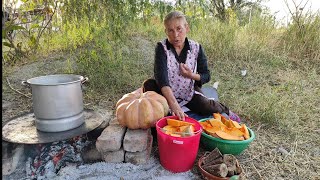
138	110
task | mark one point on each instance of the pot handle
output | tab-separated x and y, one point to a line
83	79
25	83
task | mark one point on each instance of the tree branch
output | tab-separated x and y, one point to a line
16	90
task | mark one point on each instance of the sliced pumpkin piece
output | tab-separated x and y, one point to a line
175	135
176	123
212	130
183	128
245	131
216	122
188	131
233	131
236	124
229	124
223	119
169	128
226	136
205	124
217	116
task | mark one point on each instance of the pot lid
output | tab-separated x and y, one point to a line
22	129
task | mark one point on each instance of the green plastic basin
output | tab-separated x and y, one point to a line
225	146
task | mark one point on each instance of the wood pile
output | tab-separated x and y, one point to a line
223	166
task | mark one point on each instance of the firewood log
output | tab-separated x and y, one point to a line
213	155
220	170
230	161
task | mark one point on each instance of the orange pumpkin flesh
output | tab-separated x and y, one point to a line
236	124
174	122
223	128
216	122
227	136
178	128
245	131
217	116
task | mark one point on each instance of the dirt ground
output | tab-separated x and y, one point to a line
269	156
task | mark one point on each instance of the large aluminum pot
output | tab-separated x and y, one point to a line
57	101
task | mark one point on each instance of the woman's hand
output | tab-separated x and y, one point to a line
185	71
177	111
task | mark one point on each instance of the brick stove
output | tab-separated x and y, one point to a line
101	139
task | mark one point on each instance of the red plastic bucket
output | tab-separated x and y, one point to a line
177	154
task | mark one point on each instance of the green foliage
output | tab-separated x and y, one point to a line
302	38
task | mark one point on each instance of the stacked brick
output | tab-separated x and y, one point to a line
119	144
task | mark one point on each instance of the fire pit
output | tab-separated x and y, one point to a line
23	130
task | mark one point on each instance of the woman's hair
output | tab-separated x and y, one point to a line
175	15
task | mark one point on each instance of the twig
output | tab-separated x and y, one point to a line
256	170
15	89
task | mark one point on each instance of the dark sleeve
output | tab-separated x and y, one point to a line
160	66
202	68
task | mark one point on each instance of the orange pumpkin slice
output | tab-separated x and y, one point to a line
212	131
245	131
216	123
169	128
226	136
236	124
217	116
175	135
176	123
187	130
223	119
205	124
233	131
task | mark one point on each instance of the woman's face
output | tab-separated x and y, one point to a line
176	30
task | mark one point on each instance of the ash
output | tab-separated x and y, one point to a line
122	171
45	160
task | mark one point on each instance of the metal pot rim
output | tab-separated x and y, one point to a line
54	80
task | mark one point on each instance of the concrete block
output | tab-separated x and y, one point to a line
140	157
114	121
114	156
136	140
111	138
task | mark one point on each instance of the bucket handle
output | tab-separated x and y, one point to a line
83	79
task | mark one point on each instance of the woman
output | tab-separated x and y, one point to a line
180	69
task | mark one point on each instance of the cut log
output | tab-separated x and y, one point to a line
213	155
230	161
219	160
220	170
216	161
238	168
